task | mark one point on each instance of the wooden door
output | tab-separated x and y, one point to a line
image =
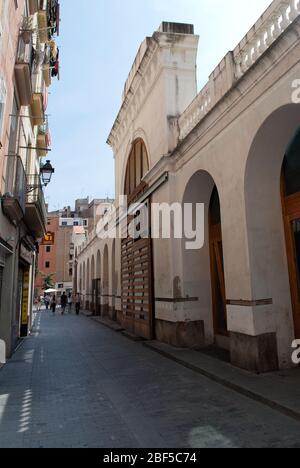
217	266
137	289
291	209
218	281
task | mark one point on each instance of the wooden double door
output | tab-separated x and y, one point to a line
291	211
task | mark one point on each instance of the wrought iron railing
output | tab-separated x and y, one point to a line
25	50
35	194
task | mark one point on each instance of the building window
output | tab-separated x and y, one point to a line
137	167
48	249
47	265
76	223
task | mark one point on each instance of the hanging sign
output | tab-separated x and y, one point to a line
48	239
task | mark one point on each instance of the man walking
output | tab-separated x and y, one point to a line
70	303
77	304
63	303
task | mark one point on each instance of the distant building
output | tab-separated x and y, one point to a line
69	228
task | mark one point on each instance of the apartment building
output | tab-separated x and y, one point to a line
29	54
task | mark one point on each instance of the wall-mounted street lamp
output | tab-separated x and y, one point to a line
47	172
45	176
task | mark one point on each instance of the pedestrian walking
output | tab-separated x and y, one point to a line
63	303
70	303
39	303
47	301
77	303
53	304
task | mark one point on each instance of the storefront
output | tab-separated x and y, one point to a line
26	285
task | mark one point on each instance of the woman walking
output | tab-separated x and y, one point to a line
53	305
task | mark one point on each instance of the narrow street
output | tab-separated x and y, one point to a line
75	383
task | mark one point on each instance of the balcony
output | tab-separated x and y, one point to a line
14	202
42	142
23	69
35	208
47	75
37	109
43	26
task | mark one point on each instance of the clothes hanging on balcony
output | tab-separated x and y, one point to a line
54	64
53	17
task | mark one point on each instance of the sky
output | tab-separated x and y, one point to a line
98	43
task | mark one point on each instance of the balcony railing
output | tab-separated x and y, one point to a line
36	213
20	184
14	201
271	25
25	49
35	193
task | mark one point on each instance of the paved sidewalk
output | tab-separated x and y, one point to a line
75	383
278	390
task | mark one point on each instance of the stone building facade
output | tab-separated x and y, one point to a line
233	147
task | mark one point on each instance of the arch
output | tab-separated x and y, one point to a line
93	288
113	280
196	265
105	280
87	284
84	277
93	268
268	263
136	168
98	265
138	135
80	279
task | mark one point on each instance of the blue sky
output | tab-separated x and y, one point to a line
98	43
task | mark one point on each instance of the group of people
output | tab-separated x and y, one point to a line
66	302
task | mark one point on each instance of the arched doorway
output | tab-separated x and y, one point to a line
80	279
136	271
105	283
290	186
97	285
268	275
87	301
93	298
217	266
113	281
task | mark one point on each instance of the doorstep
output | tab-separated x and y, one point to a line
278	390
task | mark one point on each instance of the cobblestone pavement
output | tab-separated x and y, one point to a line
75	383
